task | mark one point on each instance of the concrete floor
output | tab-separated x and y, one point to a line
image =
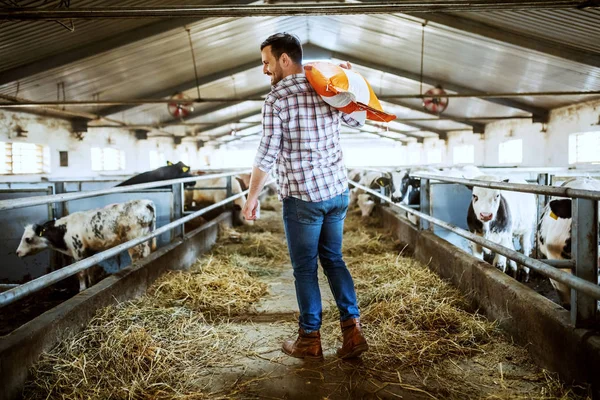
261	370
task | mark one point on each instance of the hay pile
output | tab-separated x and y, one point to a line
215	286
414	321
135	350
263	247
163	345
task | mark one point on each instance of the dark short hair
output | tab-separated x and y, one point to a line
284	43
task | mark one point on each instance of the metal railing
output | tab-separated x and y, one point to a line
584	284
37	200
20	291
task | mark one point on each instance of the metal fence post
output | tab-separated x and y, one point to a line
177	209
584	242
542	200
57	259
425	203
228	190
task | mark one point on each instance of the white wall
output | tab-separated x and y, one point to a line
56	134
543	144
458	138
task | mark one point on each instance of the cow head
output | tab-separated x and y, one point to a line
397	179
485	203
182	171
33	241
411	190
366	204
382	182
561	208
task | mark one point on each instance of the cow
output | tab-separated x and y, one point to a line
193	198
554	231
170	171
374	181
411	186
500	215
85	233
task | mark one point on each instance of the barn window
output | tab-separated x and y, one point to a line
463	154
511	152
157	159
584	148
24	158
107	159
434	156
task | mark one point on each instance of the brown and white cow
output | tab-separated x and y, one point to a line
85	233
211	196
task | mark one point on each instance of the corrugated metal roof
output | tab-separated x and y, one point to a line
577	28
159	62
27	41
452	56
163	61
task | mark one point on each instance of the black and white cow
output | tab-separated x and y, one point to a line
170	171
85	233
554	231
374	181
500	215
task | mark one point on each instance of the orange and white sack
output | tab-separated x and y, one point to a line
346	90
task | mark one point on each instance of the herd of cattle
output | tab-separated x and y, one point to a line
497	215
500	216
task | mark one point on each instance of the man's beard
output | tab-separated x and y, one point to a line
276	77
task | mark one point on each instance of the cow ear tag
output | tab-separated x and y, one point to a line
185	169
169	163
552	215
380	182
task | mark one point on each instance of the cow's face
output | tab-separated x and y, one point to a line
397	179
32	241
366	204
561	208
181	171
485	203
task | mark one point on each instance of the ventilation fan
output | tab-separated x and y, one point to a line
435	100
180	106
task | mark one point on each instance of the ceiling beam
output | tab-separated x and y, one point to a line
539	114
541	45
476	126
231	120
200	112
307	8
202	80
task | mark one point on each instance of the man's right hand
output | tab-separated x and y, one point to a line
249	210
346	65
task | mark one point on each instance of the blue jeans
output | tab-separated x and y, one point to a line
315	229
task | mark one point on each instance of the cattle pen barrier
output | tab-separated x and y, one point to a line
46	280
583	283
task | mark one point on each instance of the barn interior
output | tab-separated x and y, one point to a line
94	93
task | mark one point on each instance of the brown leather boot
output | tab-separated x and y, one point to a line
354	342
307	345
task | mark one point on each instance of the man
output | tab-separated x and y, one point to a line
301	136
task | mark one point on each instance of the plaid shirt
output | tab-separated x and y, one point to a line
301	133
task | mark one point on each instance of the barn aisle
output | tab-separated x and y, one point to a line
216	332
